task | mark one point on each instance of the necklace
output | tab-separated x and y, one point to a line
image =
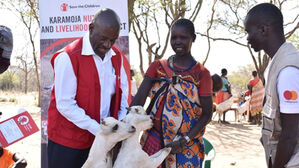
170	63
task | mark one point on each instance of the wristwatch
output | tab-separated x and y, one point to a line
187	138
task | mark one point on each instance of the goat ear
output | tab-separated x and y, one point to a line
103	122
114	129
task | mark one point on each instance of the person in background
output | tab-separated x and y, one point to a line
280	131
217	86
91	83
256	89
217	83
225	93
181	101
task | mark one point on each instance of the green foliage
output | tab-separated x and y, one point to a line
12	99
240	78
294	39
2	99
8	80
138	77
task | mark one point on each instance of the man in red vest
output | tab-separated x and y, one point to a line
91	82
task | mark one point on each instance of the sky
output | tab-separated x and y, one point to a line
223	54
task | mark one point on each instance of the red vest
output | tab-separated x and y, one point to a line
88	97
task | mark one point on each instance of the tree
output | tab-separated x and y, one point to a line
295	39
9	79
240	78
27	12
210	25
26	66
148	17
230	15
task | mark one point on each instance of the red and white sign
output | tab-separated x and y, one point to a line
71	18
16	128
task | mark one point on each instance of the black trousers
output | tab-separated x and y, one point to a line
60	156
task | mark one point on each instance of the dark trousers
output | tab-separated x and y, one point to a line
60	156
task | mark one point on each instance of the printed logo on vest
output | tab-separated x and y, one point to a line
290	95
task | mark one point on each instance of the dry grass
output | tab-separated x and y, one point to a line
20	98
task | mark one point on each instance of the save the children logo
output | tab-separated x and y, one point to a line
63	7
290	95
23	120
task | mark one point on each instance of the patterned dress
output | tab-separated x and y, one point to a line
257	96
175	110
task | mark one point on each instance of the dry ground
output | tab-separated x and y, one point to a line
29	148
237	144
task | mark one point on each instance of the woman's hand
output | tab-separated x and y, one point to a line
177	145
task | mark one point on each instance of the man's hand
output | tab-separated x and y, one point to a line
287	140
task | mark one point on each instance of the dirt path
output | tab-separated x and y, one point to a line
29	148
237	145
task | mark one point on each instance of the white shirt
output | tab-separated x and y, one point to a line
66	86
134	87
266	72
287	88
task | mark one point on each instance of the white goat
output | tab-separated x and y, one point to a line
110	132
224	106
131	154
244	107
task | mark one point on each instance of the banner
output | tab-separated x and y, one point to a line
62	22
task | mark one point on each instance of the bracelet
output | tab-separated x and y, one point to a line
187	138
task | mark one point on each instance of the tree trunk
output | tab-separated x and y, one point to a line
26	81
35	67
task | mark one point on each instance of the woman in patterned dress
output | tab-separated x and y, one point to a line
181	101
256	89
